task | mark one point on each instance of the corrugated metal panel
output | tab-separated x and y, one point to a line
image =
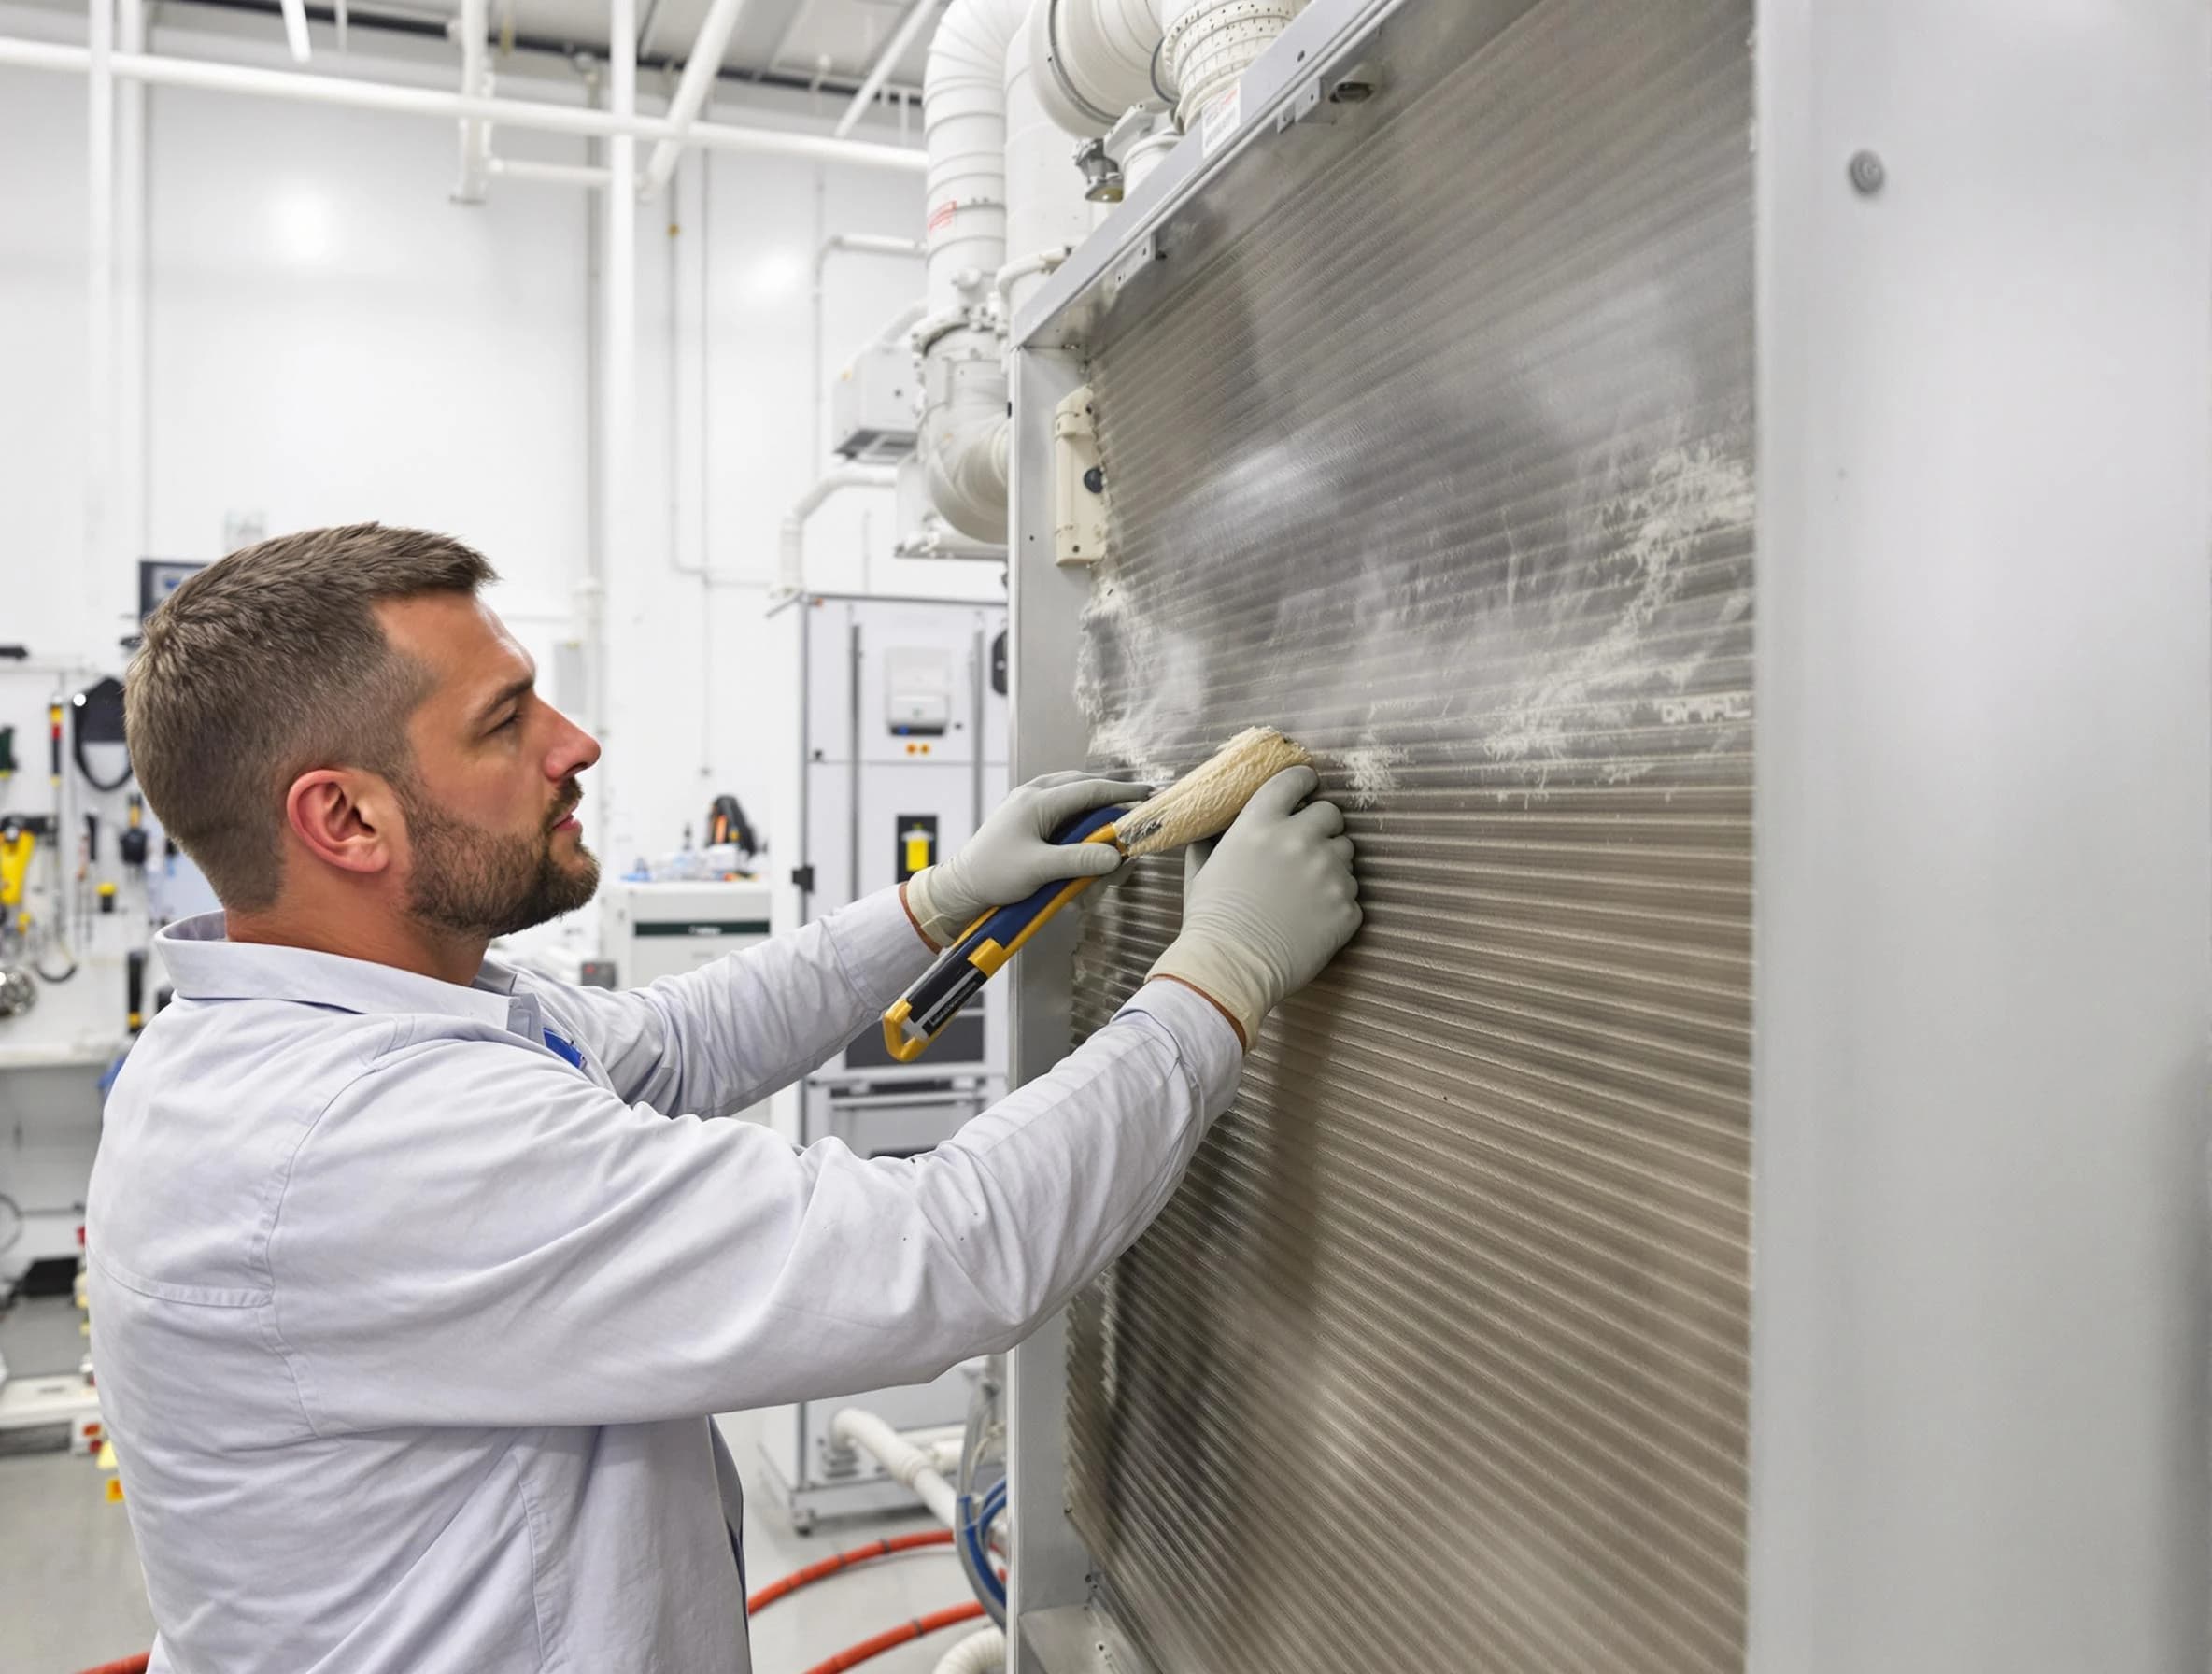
1438	1359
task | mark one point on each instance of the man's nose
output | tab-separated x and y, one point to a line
573	752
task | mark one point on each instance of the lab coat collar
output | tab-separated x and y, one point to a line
205	964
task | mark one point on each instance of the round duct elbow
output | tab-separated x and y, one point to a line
1208	44
1094	58
964	463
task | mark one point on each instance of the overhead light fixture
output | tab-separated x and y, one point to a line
295	28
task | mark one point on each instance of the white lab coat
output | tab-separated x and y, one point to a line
407	1326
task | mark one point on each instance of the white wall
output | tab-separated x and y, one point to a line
725	308
330	338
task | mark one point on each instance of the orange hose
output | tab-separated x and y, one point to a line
129	1665
918	1628
830	1565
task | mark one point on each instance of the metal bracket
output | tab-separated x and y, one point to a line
1139	257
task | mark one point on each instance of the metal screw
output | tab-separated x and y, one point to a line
1095	480
1867	173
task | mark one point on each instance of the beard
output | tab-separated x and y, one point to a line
471	881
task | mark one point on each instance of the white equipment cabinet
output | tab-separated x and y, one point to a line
901	748
651	930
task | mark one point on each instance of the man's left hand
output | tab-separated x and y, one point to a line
1012	856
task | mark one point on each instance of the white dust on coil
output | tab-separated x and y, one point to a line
1689	495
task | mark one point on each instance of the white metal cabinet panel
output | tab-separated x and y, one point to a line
1985	777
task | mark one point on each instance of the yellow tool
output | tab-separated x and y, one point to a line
17	841
1196	806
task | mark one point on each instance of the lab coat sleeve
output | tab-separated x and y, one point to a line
472	1235
715	1040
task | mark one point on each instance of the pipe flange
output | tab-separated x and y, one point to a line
1066	82
934	329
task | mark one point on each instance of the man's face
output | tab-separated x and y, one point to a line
493	845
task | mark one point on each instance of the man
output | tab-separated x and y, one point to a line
413	1278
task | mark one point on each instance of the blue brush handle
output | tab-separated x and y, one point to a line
957	978
1007	923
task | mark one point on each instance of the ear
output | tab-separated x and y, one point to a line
347	819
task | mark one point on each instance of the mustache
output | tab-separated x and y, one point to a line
571	794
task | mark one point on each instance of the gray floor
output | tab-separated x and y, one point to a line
71	1594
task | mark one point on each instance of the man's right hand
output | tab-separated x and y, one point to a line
1269	906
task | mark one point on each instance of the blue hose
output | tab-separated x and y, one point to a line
975	1555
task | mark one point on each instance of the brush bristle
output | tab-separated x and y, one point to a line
1204	802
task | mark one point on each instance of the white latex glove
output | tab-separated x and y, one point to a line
1013	855
1269	906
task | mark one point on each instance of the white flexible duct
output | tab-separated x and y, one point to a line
1208	44
908	1463
963	437
964	123
791	545
1046	214
1094	58
982	1652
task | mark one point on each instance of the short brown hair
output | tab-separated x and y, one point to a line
269	663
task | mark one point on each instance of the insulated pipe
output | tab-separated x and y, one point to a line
982	1652
902	324
700	69
295	28
162	71
963	442
476	135
99	291
910	27
906	1462
128	376
964	123
551	174
1094	59
791	578
618	372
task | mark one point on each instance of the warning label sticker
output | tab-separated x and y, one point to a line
1220	120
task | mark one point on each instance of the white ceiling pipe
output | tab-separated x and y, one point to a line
617	389
550	174
1094	59
475	137
99	289
162	71
909	30
791	547
700	69
295	29
129	381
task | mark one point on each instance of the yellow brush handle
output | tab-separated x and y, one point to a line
975	956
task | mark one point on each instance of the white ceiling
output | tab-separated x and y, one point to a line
837	40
